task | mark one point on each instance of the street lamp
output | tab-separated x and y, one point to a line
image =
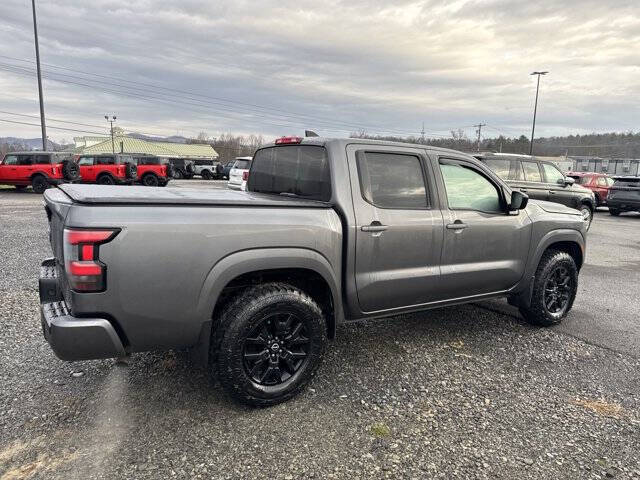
111	120
535	110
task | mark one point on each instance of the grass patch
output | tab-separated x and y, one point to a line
600	407
380	430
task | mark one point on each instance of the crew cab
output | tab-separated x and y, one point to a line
152	171
108	169
38	169
328	230
541	180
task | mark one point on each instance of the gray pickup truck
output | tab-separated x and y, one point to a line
329	230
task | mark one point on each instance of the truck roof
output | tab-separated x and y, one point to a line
322	141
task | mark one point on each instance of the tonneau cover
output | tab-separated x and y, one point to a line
115	194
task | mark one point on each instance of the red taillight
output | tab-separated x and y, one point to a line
283	140
245	175
121	170
81	255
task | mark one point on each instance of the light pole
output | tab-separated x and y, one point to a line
35	35
535	110
111	120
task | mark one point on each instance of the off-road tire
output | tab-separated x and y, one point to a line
614	212
39	184
70	170
150	180
206	174
537	313
177	174
236	322
106	179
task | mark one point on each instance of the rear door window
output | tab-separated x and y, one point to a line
25	160
85	161
105	161
300	170
532	171
391	180
41	160
602	182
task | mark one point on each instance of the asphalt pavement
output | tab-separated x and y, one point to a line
462	392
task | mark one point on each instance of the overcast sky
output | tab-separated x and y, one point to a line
277	67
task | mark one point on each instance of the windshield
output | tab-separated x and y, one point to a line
242	164
301	170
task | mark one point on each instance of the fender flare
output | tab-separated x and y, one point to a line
525	291
253	260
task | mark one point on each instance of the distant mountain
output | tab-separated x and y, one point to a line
172	139
30	143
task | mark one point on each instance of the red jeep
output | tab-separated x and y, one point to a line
38	169
599	183
153	171
107	169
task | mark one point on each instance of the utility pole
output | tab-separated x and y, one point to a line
35	36
478	131
111	120
535	110
422	133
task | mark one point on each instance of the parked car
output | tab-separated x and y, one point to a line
226	169
38	169
182	168
153	171
329	230
239	174
108	169
207	169
624	195
541	180
598	183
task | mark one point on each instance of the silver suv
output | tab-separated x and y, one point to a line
239	173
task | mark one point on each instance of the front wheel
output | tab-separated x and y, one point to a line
587	215
206	175
268	344
150	180
106	180
554	289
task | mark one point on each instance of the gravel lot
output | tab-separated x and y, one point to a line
460	392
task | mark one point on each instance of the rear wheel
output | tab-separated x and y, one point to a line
554	289
268	344
177	174
39	184
614	212
206	174
150	180
106	180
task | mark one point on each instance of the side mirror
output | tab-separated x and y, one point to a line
518	201
568	181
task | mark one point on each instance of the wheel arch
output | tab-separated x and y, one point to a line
304	268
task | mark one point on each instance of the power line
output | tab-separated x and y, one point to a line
297	116
55	128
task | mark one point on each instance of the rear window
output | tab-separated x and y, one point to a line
242	164
301	170
147	160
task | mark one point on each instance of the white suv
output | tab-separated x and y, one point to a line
239	173
207	169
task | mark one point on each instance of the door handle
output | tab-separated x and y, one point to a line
457	225
374	227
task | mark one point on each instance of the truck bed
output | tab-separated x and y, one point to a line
113	194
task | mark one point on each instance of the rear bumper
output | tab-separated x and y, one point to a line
73	338
626	204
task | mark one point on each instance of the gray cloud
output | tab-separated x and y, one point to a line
277	67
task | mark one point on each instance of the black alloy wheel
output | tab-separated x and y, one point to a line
150	180
558	289
276	349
